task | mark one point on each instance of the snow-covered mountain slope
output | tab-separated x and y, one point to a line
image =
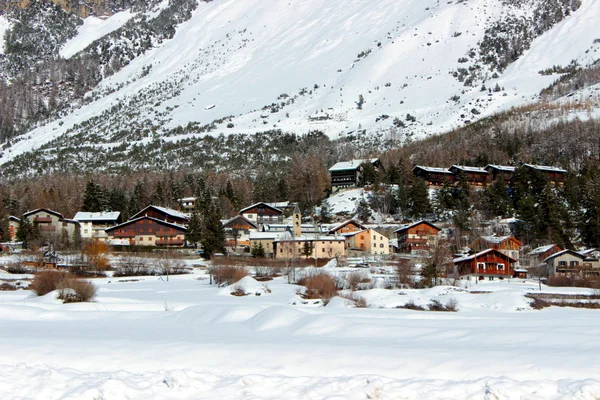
387	66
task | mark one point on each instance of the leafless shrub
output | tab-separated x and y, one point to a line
573	281
132	264
355	279
47	281
436	305
319	285
538	304
411	305
7	287
359	301
76	290
405	274
227	275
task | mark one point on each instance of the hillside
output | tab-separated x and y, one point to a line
390	70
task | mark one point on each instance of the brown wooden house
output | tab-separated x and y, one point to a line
418	238
500	172
508	245
347	227
554	174
539	254
262	213
433	176
474	176
147	231
164	214
489	264
347	173
237	231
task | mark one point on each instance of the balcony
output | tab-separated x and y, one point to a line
128	234
165	234
493	271
42	220
47	228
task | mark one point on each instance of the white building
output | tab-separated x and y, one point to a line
93	224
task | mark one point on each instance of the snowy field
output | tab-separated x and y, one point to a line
186	339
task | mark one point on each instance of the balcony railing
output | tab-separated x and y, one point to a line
41	220
493	271
175	242
166	234
128	234
47	228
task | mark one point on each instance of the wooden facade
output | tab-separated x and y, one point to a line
433	176
418	238
554	174
50	223
473	175
489	264
508	245
240	227
163	214
347	227
147	231
500	172
262	213
347	173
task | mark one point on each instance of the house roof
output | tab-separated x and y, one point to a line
28	213
258	204
185	199
160	221
350	221
433	169
73	221
408	226
469	169
503	168
13	218
499	239
351	165
312	239
239	217
545	168
165	210
541	249
474	256
267	235
97	216
560	253
587	252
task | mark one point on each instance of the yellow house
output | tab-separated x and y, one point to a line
367	241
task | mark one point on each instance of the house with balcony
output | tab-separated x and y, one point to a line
348	226
164	214
94	224
569	262
52	223
262	213
474	176
554	174
537	256
508	245
488	264
366	242
417	238
504	172
347	173
147	231
237	231
433	176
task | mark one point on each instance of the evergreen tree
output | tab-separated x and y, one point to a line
307	249
194	230
258	250
27	232
363	212
213	235
497	202
92	197
419	199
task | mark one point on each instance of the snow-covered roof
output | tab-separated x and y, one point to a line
243	210
160	221
586	252
470	169
495	239
305	238
560	253
171	212
433	169
266	235
341	225
238	217
473	256
84	216
56	213
503	168
187	199
545	168
351	165
408	226
350	234
541	249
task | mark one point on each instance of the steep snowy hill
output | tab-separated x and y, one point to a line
392	67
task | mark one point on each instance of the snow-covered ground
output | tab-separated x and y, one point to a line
4	26
234	57
185	339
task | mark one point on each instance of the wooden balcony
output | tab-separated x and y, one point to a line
47	228
42	220
165	234
493	271
128	234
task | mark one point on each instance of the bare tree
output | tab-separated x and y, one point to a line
169	263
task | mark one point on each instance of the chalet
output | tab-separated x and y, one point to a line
94	224
164	214
569	262
147	231
508	245
347	173
262	213
51	223
366	241
417	238
489	263
188	204
13	226
347	227
500	172
237	231
473	175
433	176
554	174
539	254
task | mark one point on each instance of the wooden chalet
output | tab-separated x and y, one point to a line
164	214
554	174
237	231
347	227
539	254
417	238
147	231
500	172
489	263
262	213
347	173
433	176
508	245
474	176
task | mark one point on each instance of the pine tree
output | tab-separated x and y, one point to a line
419	199
27	232
194	230
307	249
213	234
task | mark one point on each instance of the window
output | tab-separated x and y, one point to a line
480	265
381	245
501	267
323	249
374	237
562	263
85	231
374	244
141	239
574	263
